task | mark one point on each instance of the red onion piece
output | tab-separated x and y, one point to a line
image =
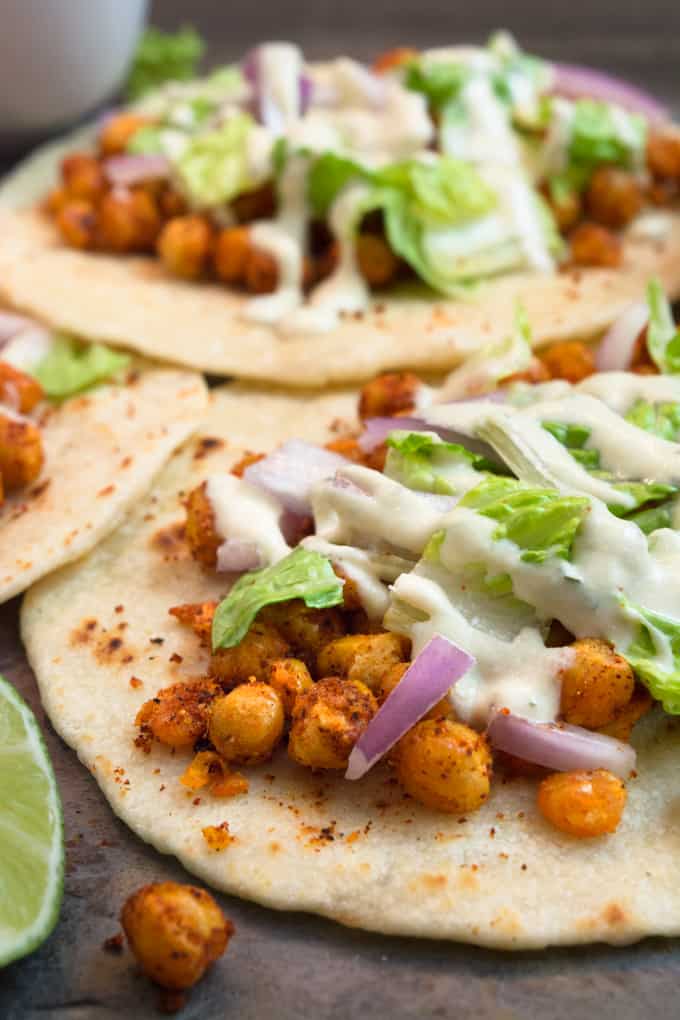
577	82
124	171
289	473
294	527
10	325
428	678
559	746
616	348
235	556
262	106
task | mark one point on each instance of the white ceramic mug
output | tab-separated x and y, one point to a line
61	58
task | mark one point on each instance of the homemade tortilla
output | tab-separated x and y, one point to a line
102	450
357	852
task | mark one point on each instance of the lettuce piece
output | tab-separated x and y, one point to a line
662	419
439	82
653	517
302	574
602	133
163	56
663	337
426	463
574	438
71	367
213	168
657	641
542	522
327	177
146	141
497	360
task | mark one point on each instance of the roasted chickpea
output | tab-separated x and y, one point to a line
232	249
185	245
444	765
251	657
261	272
119	130
537	372
175	932
364	657
567	209
389	394
392	59
198	616
56	199
246	725
597	684
377	262
328	719
21	452
621	726
17	389
77	224
306	630
351	599
663	153
289	678
389	680
83	176
614	196
570	360
259	204
593	245
128	221
177	716
200	529
582	804
170	202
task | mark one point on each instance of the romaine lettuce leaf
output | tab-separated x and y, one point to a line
302	574
213	168
70	367
655	654
426	463
601	133
439	82
663	337
163	56
662	419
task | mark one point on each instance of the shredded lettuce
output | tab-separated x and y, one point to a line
662	419
542	522
496	361
439	82
147	141
213	168
70	367
663	337
426	463
655	654
163	56
302	574
328	175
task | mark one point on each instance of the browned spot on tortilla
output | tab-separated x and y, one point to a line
170	542
206	445
106	491
507	921
83	633
39	489
108	648
434	882
126	461
274	847
614	914
467	878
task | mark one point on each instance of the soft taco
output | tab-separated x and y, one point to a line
83	432
440	698
308	223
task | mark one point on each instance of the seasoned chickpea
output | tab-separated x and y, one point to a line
83	176
251	657
246	725
377	262
128	221
392	59
21	452
328	719
259	204
232	249
198	616
289	678
364	657
118	131
389	394
261	272
77	224
389	680
582	804
351	599
444	765
663	153
17	389
593	245
570	360
567	209
597	684
537	372
621	726
56	199
614	196
200	529
170	202
306	630
177	716
175	931
185	245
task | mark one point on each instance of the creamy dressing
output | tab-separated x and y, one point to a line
247	514
369	570
28	348
620	390
279	70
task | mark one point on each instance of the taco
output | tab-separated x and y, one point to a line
83	431
308	224
439	699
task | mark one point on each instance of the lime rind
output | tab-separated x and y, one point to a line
31	832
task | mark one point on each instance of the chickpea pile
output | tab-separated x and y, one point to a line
21	449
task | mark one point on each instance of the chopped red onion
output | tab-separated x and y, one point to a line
235	556
428	678
263	105
124	171
559	746
289	473
10	325
616	348
577	82
294	527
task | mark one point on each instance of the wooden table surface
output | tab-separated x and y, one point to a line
286	965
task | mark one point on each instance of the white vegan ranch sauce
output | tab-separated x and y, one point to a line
248	514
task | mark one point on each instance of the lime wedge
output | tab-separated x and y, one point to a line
31	832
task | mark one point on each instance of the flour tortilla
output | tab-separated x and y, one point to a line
132	302
357	852
102	450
